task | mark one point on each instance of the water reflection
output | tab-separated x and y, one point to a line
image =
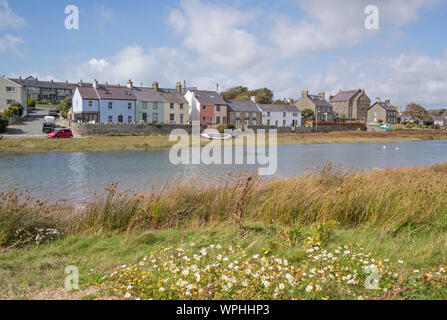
75	176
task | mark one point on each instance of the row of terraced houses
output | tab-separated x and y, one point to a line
103	103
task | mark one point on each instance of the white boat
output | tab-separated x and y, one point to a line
216	136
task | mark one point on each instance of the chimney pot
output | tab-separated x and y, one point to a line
155	85
253	99
130	84
388	101
291	101
179	86
95	84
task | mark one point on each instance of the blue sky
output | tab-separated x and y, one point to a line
285	45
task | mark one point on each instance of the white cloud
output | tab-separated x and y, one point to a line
219	34
329	24
8	19
9	42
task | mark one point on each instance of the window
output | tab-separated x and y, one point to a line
238	114
110	105
144	105
129	119
217	108
181	105
90	103
295	115
247	114
284	123
155	105
217	120
172	117
155	117
238	122
284	115
203	108
120	119
144	116
253	123
268	122
246	122
254	114
268	114
204	119
8	102
129	106
171	106
110	118
10	89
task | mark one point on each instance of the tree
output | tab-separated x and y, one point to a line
65	106
3	122
31	103
282	102
16	108
263	95
307	114
416	111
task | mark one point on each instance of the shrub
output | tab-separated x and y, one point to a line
222	127
31	103
17	109
3	123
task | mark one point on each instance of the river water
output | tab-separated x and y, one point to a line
76	176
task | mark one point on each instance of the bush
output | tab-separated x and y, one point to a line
31	103
222	127
17	109
3	123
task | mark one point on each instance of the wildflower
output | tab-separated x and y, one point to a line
309	288
281	286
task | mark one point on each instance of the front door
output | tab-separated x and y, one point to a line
120	119
181	119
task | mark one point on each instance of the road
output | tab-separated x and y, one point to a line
30	127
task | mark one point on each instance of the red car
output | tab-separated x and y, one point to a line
60	133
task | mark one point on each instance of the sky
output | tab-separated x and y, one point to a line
284	45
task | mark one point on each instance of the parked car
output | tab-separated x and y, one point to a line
48	127
60	133
53	113
49	119
56	109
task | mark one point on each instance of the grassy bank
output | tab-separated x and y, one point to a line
397	217
145	143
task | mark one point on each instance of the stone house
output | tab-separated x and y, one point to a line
318	104
382	112
351	104
244	113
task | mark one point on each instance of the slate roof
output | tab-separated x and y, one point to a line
115	93
209	97
242	106
439	118
343	96
162	95
319	102
43	84
88	93
278	108
384	105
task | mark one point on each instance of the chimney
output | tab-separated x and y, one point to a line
155	85
377	99
388	101
20	78
291	101
253	99
95	84
107	84
66	81
81	82
179	86
305	93
37	79
130	84
321	94
52	81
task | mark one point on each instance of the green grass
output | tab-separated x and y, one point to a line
397	214
150	142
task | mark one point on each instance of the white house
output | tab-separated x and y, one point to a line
103	103
280	115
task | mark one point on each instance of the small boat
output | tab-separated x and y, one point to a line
383	127
216	136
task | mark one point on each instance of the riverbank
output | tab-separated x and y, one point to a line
396	217
145	143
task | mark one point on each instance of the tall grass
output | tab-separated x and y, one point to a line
392	200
